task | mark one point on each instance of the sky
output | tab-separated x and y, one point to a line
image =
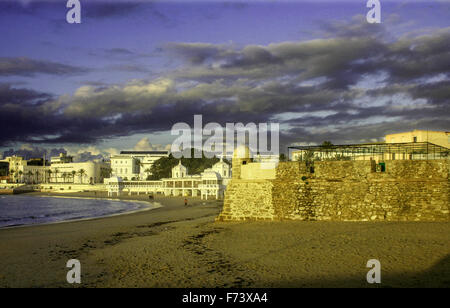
132	69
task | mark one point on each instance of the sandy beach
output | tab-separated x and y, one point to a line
178	246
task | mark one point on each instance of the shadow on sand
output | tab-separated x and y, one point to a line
438	276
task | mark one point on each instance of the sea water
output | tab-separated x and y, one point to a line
17	210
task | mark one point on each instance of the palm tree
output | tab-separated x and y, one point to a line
20	175
73	175
29	174
11	173
64	176
81	172
56	174
49	171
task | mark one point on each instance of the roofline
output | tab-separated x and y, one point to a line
420	130
144	152
386	144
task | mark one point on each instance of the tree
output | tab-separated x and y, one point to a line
105	172
56	174
49	175
327	145
282	157
29	174
37	176
148	173
162	168
73	175
81	172
64	176
20	175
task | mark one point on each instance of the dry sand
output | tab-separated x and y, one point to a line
178	246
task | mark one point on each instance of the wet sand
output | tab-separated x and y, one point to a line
178	246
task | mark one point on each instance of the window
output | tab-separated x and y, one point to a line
414	139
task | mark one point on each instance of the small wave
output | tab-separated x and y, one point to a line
29	210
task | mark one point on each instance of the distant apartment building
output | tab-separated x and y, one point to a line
439	138
135	165
64	170
25	171
61	159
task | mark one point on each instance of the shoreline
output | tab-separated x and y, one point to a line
149	205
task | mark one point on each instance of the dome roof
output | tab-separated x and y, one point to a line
220	163
242	151
209	174
179	166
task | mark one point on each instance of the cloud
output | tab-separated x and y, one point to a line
30	67
145	145
11	95
354	85
28	151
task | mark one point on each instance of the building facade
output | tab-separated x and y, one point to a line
135	165
24	171
210	184
435	137
90	172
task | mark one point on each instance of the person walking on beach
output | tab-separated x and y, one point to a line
185	202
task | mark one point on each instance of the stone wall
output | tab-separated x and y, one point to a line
248	200
344	190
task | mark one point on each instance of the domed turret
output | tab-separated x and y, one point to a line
179	171
222	168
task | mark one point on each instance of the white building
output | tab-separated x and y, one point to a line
23	171
179	171
125	167
135	165
64	170
211	183
90	172
61	159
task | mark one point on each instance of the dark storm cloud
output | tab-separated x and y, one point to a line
11	95
198	53
351	87
30	67
28	152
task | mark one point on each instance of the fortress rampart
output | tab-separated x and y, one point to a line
408	190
